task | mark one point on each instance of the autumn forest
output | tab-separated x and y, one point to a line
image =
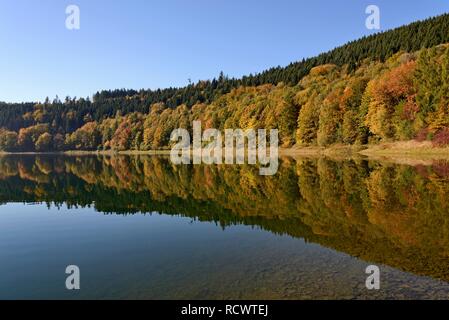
391	86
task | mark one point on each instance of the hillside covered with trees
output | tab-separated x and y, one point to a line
385	87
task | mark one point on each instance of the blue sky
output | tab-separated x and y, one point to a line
156	44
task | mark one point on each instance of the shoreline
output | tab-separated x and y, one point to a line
391	150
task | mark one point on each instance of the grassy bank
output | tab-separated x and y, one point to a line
335	150
404	149
400	148
111	152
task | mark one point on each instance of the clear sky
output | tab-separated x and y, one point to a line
156	44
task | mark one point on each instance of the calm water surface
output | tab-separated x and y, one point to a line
140	227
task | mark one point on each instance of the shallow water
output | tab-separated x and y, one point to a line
140	227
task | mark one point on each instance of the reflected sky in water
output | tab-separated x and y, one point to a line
139	227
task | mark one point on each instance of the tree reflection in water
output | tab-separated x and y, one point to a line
386	213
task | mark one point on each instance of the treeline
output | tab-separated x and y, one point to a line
405	97
378	88
418	35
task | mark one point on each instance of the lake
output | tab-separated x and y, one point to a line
139	227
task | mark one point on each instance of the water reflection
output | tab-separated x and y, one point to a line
392	214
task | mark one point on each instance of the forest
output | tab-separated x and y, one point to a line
391	86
